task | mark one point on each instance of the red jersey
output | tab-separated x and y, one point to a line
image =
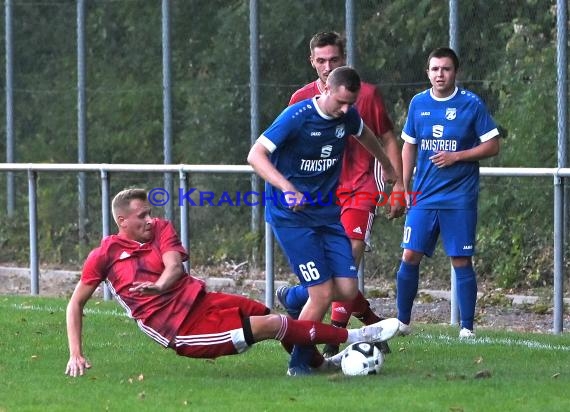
121	262
360	171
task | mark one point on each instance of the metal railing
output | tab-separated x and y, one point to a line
183	170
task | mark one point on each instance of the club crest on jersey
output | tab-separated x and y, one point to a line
450	113
339	132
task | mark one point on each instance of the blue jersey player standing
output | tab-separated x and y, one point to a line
447	131
300	157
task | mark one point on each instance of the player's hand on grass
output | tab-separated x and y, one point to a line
76	366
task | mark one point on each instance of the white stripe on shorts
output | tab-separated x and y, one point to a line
235	336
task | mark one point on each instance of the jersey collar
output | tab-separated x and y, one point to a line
319	111
443	99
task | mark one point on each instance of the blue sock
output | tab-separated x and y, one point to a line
296	297
466	295
301	356
407	280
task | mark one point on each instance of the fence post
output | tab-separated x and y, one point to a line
184	220
33	216
105	218
269	276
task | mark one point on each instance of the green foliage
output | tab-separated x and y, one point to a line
14	234
507	52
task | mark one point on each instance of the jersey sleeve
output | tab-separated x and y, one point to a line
169	241
360	128
409	134
282	129
374	113
485	126
94	268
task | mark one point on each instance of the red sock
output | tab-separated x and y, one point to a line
340	313
308	332
361	310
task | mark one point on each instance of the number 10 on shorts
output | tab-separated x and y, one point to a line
407	234
309	271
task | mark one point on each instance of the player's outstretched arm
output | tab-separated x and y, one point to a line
74	318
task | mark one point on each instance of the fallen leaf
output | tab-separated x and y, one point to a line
34	356
478	360
141	377
142	395
556	375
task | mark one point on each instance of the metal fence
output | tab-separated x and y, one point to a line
63	98
184	170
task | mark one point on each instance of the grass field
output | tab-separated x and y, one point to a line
428	371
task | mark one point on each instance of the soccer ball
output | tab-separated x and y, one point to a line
362	358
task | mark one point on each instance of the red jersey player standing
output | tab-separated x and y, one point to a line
360	179
142	266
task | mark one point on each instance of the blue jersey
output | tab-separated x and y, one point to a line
455	123
306	147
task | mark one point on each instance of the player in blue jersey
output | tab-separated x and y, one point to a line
300	157
447	131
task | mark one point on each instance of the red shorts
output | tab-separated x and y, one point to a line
357	223
214	327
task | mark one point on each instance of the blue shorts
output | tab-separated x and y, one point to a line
317	254
457	228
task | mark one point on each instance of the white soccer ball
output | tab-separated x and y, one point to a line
362	358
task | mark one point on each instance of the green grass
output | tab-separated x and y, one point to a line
428	371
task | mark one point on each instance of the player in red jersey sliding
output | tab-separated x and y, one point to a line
143	267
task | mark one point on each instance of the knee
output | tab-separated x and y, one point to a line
461	261
271	322
347	293
411	257
265	327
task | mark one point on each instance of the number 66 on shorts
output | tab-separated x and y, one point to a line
317	254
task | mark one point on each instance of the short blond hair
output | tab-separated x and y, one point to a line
122	200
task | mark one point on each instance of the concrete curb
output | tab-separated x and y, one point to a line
220	284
